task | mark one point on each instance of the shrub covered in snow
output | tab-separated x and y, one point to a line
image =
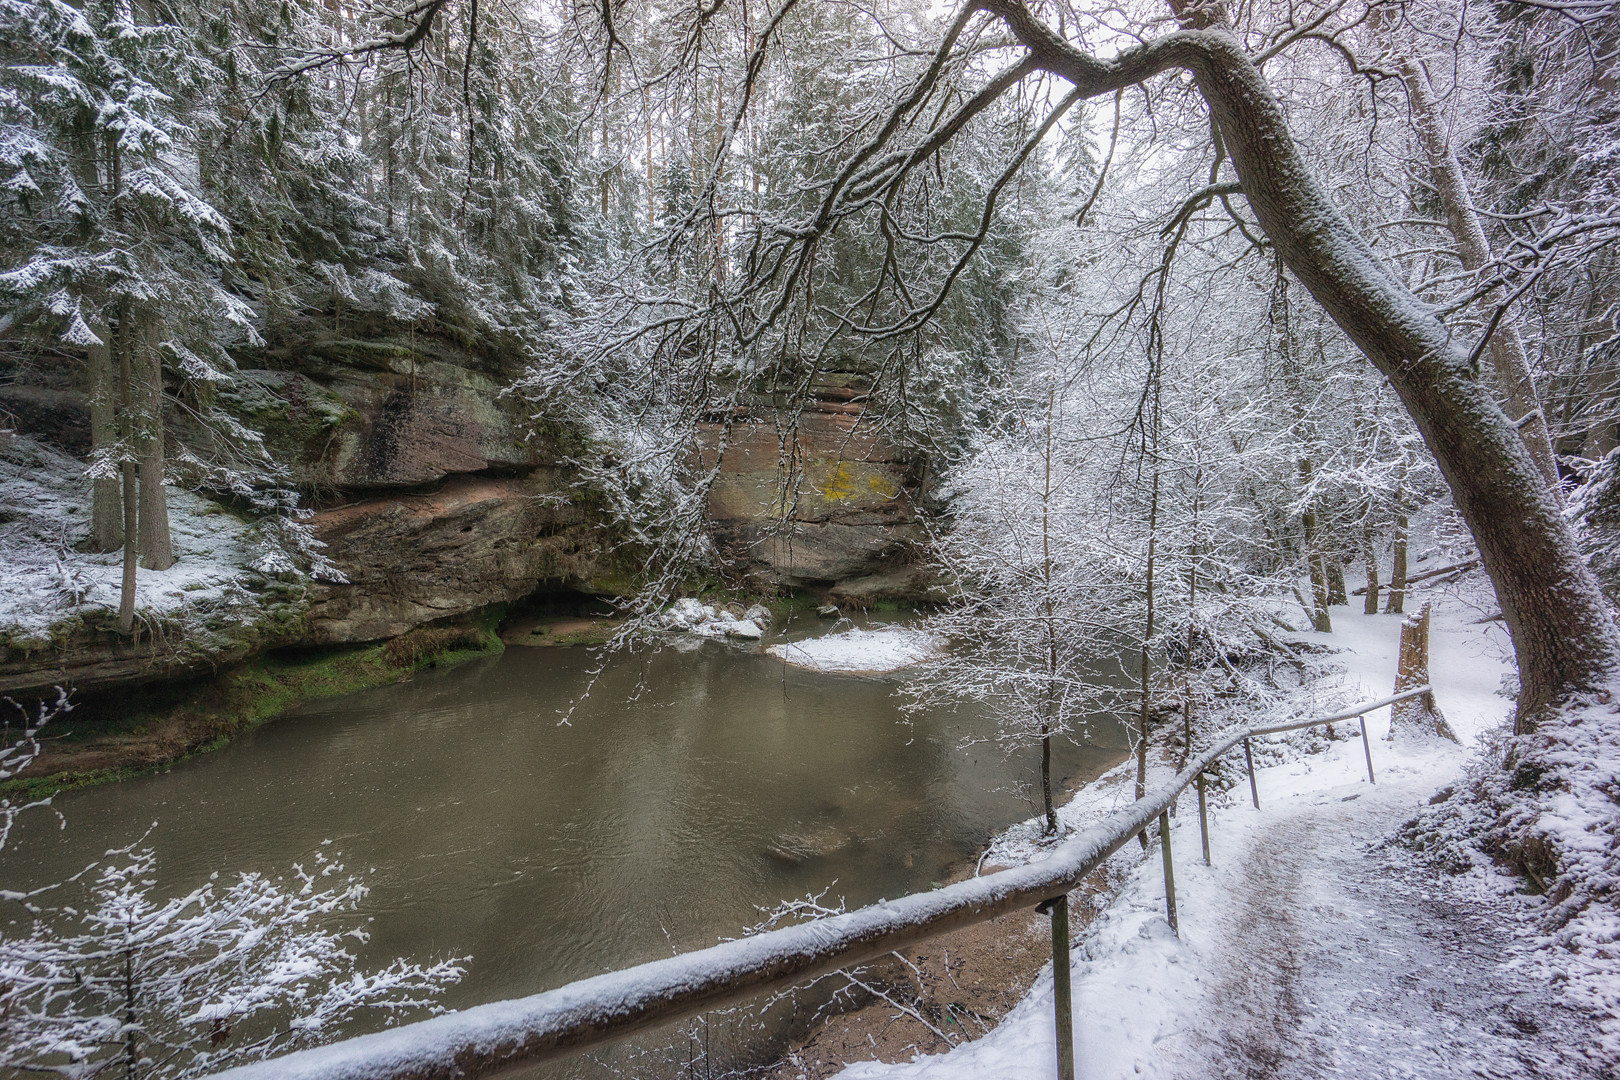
1595	509
171	988
1544	805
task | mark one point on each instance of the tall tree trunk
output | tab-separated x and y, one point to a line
1048	809
156	544
1337	593
106	505
1506	348
1321	620
1396	604
1192	639
1144	709
123	342
652	188
1050	612
128	436
1369	556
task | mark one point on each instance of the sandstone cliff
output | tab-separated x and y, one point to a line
437	498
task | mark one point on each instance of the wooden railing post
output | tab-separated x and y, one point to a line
1203	817
1367	747
1248	758
1169	875
1062	994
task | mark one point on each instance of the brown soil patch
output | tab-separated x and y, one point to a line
155	744
548	630
961	984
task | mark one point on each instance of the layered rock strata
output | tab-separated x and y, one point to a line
437	501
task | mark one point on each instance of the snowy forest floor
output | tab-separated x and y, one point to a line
1313	946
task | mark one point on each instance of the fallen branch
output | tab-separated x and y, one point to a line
1411	579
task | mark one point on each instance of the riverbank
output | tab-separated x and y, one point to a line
154	727
941	1013
949	989
1317	943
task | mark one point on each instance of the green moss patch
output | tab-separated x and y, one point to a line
159	726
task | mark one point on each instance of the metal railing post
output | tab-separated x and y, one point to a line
1169	875
1062	997
1367	746
1254	791
1203	817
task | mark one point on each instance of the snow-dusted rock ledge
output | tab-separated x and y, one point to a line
863	651
705	620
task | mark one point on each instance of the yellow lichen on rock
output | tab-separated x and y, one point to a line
839	485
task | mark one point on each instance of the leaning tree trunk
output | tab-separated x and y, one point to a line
157	546
1554	610
1506	348
1559	620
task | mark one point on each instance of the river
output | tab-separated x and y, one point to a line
691	788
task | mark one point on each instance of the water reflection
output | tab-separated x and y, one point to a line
688	790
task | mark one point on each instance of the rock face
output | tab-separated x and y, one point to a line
850	522
446	508
94	656
369	415
435	501
473	542
437	504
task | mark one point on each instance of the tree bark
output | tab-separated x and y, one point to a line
1052	717
156	543
1145	704
1560	623
1506	348
1321	620
1369	555
1419	715
1396	604
1192	624
106	506
1321	617
1336	589
126	469
1046	784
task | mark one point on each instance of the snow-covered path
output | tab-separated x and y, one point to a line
1311	947
1333	955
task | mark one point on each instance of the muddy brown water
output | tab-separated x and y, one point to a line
692	787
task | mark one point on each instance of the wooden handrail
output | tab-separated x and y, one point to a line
505	1036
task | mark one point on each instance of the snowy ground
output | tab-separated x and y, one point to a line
45	512
1310	948
886	649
